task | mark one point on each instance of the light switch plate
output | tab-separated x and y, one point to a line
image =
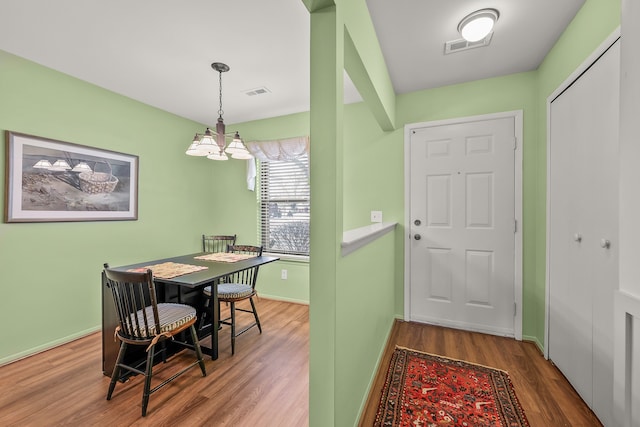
376	216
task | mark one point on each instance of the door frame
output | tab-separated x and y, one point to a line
581	69
518	128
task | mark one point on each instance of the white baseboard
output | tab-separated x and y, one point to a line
534	340
48	346
283	299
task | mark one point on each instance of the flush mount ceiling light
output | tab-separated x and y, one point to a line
478	25
212	145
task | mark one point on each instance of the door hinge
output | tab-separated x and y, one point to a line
515	309
515	225
515	143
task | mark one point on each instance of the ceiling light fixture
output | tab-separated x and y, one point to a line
478	25
212	145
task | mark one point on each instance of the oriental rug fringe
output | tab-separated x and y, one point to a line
427	390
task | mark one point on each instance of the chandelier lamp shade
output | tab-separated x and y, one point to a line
62	166
213	144
43	164
478	25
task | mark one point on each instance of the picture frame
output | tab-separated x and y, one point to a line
53	181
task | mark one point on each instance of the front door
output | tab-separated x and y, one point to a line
463	224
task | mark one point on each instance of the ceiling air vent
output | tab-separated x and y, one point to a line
257	91
461	44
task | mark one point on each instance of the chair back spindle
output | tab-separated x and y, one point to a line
249	276
135	301
217	243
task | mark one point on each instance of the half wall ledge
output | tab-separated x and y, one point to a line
356	238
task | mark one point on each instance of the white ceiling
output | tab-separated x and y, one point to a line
159	51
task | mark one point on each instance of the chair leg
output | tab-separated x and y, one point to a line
255	314
164	351
147	380
196	344
233	327
204	312
116	369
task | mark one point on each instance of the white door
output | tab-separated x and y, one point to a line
462	222
583	229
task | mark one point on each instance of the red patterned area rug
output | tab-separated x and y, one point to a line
426	390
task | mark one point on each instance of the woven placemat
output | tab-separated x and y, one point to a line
224	257
169	270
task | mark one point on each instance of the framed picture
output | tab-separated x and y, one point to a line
48	180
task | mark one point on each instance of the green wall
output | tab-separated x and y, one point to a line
364	314
51	271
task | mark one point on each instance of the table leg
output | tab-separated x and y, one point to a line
215	322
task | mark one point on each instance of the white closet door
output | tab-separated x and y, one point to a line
583	228
570	336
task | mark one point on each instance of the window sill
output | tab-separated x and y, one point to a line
353	240
287	257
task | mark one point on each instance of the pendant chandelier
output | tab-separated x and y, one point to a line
212	145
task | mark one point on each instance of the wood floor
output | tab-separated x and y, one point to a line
544	393
265	384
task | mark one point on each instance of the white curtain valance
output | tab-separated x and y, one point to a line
279	149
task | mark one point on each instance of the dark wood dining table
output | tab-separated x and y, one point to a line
184	289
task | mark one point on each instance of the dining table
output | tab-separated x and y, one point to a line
178	279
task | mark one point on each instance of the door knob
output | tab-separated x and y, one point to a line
577	237
605	243
417	237
417	222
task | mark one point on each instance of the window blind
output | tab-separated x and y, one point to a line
285	206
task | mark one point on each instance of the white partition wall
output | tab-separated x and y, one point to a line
627	307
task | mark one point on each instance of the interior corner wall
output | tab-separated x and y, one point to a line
236	209
51	271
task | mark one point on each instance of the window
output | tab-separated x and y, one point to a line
284	206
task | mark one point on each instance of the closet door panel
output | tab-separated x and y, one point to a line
583	226
570	334
605	227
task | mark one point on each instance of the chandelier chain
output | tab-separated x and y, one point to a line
220	111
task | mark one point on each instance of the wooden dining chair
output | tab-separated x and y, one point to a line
217	243
142	321
212	243
237	287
